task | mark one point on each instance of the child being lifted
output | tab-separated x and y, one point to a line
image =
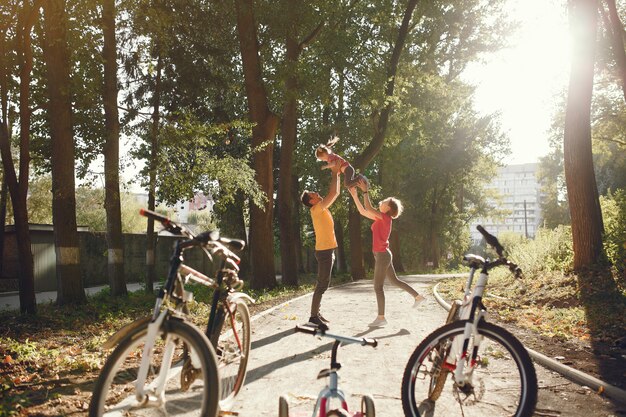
350	177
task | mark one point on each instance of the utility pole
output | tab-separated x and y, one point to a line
525	221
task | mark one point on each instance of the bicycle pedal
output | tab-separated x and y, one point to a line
228	413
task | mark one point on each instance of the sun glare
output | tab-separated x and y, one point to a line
524	80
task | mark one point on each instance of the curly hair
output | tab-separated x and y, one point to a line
395	207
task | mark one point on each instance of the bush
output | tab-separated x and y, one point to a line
614	216
551	250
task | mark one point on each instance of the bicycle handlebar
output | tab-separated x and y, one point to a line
494	243
316	331
491	240
211	239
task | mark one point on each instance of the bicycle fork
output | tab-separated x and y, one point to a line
141	392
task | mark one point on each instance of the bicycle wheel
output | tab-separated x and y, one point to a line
233	349
439	374
502	380
367	406
114	391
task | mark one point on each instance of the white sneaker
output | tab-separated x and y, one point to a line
418	301
378	323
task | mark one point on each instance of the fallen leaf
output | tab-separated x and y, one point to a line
8	359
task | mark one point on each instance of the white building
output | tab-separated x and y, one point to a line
520	202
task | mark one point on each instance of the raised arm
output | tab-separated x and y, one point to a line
370	213
333	189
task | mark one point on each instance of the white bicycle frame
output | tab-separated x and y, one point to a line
329	392
457	353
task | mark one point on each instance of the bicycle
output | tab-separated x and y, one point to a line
165	355
491	371
332	391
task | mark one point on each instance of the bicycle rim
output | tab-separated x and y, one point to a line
503	380
233	349
114	392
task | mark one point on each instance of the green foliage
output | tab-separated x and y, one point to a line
550	250
614	215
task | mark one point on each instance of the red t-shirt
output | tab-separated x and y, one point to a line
381	229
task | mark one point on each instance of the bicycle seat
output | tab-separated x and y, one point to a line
474	260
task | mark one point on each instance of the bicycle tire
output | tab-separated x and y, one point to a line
116	379
439	375
233	351
493	391
283	407
367	406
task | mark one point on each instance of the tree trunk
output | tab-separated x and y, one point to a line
615	27
26	281
295	198
154	152
342	264
18	188
232	224
70	288
288	260
394	245
357	268
4	196
378	139
264	131
582	190
115	244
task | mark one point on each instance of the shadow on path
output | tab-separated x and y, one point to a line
264	370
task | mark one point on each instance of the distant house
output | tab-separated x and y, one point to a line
520	203
199	203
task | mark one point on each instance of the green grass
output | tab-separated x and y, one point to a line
551	304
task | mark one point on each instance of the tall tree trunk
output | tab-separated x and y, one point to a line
154	154
394	246
232	224
378	139
4	196
69	282
295	201
288	260
342	264
357	267
115	245
582	190
615	28
265	126
18	187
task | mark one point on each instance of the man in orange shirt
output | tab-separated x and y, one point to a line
325	242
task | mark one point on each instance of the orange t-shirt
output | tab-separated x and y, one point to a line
324	228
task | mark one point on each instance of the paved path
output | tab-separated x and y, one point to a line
286	363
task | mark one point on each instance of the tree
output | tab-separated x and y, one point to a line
18	187
378	139
266	123
285	208
111	152
578	159
69	283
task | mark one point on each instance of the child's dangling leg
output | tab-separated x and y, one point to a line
352	179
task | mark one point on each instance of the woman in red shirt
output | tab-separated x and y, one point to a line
388	209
